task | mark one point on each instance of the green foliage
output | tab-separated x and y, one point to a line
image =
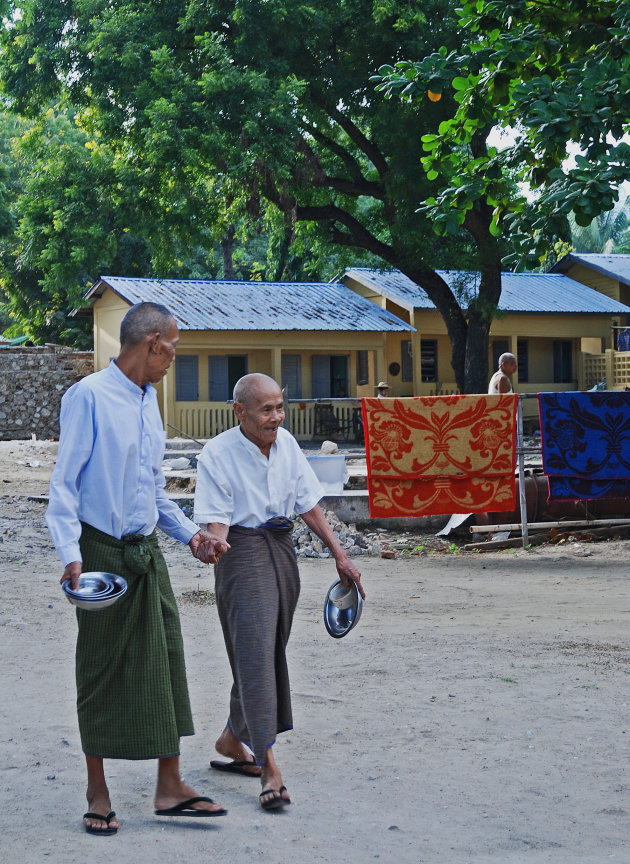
557	73
606	233
226	120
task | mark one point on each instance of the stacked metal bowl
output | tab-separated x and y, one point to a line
96	590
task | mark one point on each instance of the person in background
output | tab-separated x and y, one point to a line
500	381
382	389
106	497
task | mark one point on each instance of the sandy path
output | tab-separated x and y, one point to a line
478	713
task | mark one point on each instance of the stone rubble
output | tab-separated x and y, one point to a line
308	545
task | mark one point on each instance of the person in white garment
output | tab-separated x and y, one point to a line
250	481
500	381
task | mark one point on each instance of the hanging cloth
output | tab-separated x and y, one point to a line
434	455
585	440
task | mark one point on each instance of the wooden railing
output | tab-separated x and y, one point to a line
613	367
306	420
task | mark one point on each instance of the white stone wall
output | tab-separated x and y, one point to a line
32	382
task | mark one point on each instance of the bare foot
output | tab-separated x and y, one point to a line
228	745
167	798
274	793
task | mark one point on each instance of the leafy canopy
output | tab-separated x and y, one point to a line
556	73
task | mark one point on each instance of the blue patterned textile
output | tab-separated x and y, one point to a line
586	444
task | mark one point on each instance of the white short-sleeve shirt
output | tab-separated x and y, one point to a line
238	485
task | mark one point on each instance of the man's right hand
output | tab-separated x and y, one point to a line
208	548
72	572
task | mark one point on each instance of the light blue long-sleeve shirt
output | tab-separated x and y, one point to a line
109	465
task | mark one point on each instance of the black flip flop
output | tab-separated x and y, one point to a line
277	801
92	829
184	808
236	767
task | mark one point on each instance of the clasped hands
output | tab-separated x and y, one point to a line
207	547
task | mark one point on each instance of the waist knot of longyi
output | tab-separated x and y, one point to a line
137	553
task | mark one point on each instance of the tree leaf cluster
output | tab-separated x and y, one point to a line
558	75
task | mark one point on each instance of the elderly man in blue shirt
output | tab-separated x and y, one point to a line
107	495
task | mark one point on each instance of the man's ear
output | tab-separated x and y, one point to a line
153	339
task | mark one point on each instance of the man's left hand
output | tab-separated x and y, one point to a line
348	572
208	548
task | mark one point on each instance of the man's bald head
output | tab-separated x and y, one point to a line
250	386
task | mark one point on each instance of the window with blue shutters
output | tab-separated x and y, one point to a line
292	375
186	378
223	373
330	375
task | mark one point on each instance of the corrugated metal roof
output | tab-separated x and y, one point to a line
205	304
549	293
615	266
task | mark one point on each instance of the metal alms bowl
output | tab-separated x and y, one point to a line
340	621
97	590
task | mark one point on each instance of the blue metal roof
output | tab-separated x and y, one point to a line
548	293
205	304
615	266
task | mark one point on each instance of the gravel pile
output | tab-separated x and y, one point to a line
308	545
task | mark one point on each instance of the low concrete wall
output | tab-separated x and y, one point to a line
354	507
32	382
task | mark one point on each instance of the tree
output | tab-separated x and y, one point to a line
557	72
225	107
68	224
604	234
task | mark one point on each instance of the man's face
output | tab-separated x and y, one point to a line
162	353
261	415
509	366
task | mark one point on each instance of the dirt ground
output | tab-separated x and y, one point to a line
477	713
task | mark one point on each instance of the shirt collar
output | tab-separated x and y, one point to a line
126	382
254	448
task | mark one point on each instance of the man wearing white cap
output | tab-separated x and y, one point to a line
383	389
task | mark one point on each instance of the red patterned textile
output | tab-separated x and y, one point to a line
436	455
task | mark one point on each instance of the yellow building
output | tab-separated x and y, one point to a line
610	275
551	322
321	340
331	343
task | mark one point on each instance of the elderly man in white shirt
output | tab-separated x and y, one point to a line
250	481
106	497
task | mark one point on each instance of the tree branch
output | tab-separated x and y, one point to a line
364	144
351	164
355	187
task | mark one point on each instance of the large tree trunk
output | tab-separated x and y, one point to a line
453	316
477	343
481	311
227	248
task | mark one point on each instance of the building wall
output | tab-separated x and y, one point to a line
599	281
264	350
32	382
